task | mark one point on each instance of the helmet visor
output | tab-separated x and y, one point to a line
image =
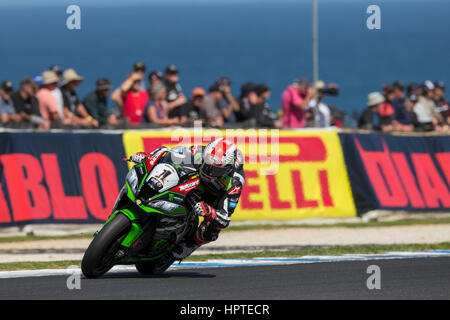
212	171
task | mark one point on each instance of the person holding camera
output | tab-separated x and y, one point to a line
294	101
319	115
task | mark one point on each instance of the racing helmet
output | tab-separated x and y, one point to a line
218	163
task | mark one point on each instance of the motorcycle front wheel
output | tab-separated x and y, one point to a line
99	256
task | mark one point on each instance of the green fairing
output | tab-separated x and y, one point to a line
135	230
132	235
130	192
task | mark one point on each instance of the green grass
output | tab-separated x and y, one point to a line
371	224
248	255
34	265
337	250
37	238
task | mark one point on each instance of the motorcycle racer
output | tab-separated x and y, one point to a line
220	166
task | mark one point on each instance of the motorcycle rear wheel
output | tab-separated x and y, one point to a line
155	267
99	256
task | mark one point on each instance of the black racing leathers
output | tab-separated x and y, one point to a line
223	201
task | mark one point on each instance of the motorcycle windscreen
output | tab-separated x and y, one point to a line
165	175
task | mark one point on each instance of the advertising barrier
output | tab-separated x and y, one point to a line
59	177
76	177
289	174
398	172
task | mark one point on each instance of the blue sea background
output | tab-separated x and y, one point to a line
261	41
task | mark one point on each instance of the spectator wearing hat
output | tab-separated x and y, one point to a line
175	96
294	101
7	111
25	102
96	103
442	105
189	112
155	77
425	108
131	98
48	107
228	106
57	91
370	118
208	110
386	111
410	102
403	120
139	68
73	108
319	116
37	78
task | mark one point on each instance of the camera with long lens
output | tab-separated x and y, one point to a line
329	90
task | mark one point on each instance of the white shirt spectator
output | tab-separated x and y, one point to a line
323	114
59	99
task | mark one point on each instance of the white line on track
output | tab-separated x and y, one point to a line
214	263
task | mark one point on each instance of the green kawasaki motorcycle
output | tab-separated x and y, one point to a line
150	216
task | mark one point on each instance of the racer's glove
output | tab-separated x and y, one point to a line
205	210
139	157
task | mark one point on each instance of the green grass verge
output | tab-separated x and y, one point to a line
34	265
37	238
371	224
248	255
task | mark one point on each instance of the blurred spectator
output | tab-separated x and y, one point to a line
338	118
370	118
441	103
37	80
156	110
403	120
228	106
190	110
261	111
48	107
96	103
319	116
175	96
294	101
73	108
263	92
155	77
247	100
386	111
208	107
25	102
410	102
57	93
131	98
425	108
139	68
7	112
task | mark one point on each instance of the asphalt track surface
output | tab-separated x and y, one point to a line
417	278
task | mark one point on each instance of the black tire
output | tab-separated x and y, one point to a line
98	258
155	267
145	267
